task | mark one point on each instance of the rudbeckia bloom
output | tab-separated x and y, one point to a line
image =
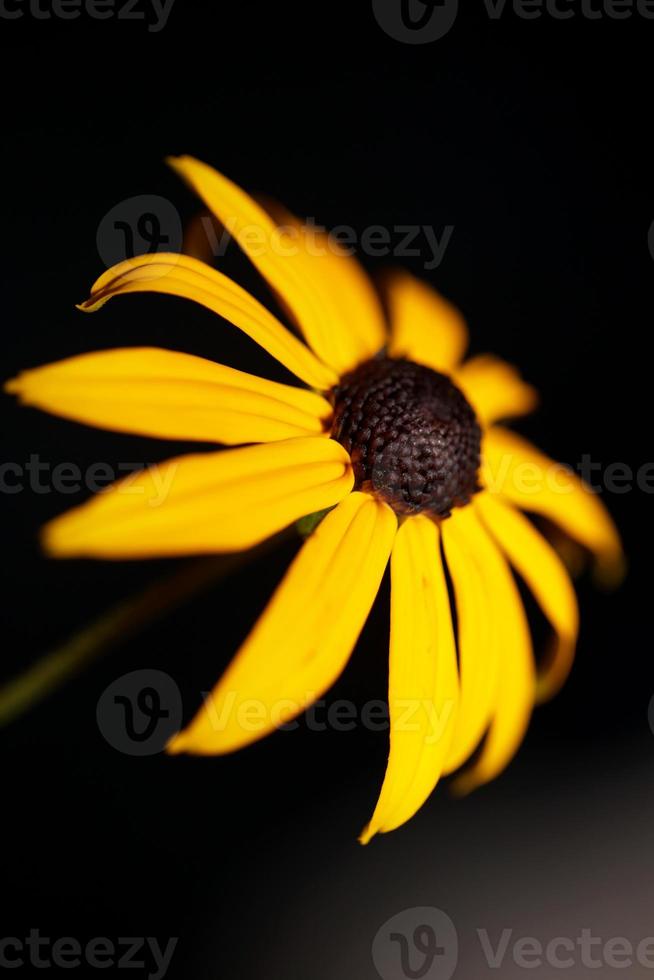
393	444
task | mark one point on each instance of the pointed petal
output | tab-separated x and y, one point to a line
181	275
341	280
517	470
162	393
424	326
495	389
207	502
304	638
545	574
302	280
423	682
478	641
515	690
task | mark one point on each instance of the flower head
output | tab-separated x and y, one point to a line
394	443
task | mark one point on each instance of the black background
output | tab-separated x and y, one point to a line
531	138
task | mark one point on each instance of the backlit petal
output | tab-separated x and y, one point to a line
514	697
424	326
181	275
207	502
517	470
169	395
305	636
495	389
423	681
478	641
545	574
301	279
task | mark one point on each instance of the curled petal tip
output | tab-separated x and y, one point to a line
176	744
90	305
366	835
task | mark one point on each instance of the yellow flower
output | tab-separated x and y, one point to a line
385	438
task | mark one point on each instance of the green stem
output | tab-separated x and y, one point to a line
117	624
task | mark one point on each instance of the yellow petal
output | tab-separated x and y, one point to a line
478	641
424	326
304	638
545	574
514	696
301	279
169	395
341	280
181	275
517	470
495	389
207	502
423	681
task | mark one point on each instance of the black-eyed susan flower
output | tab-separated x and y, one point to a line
393	444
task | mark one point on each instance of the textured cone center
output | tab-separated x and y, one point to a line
412	436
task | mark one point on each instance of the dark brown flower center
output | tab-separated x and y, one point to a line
412	436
